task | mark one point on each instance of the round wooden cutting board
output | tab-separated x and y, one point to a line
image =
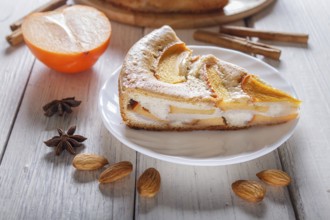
235	10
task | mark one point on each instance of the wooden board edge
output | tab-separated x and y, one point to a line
181	21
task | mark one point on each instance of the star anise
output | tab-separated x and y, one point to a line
60	106
65	141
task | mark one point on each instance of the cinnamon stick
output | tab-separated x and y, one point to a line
266	35
49	6
237	43
16	37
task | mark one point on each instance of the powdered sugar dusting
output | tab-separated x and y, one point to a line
141	63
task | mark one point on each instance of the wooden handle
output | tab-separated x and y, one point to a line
266	35
236	43
49	6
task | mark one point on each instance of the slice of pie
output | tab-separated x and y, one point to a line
162	86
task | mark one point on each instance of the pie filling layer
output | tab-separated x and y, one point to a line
155	110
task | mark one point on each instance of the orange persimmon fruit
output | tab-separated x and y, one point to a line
69	40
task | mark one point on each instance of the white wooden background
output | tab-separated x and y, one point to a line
35	184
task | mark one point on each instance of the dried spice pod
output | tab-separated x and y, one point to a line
274	177
116	172
65	141
148	183
89	162
248	190
60	106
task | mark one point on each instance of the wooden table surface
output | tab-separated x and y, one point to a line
35	184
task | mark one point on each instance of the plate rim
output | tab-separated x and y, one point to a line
202	162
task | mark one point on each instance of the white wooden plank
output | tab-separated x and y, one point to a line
306	154
34	183
15	66
190	192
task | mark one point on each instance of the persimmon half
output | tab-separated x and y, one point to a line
69	40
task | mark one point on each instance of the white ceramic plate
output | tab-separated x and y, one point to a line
204	148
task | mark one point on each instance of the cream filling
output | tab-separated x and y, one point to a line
237	118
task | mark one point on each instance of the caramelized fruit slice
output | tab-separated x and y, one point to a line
261	92
172	58
264	120
178	110
211	122
225	106
137	108
215	82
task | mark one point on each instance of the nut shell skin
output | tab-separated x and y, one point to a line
249	190
116	172
89	162
148	184
274	177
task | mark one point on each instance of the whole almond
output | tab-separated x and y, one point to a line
274	177
89	162
250	191
148	183
116	171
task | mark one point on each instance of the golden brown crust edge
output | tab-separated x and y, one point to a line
210	128
122	102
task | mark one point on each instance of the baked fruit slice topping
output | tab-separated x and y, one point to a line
162	86
171	68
